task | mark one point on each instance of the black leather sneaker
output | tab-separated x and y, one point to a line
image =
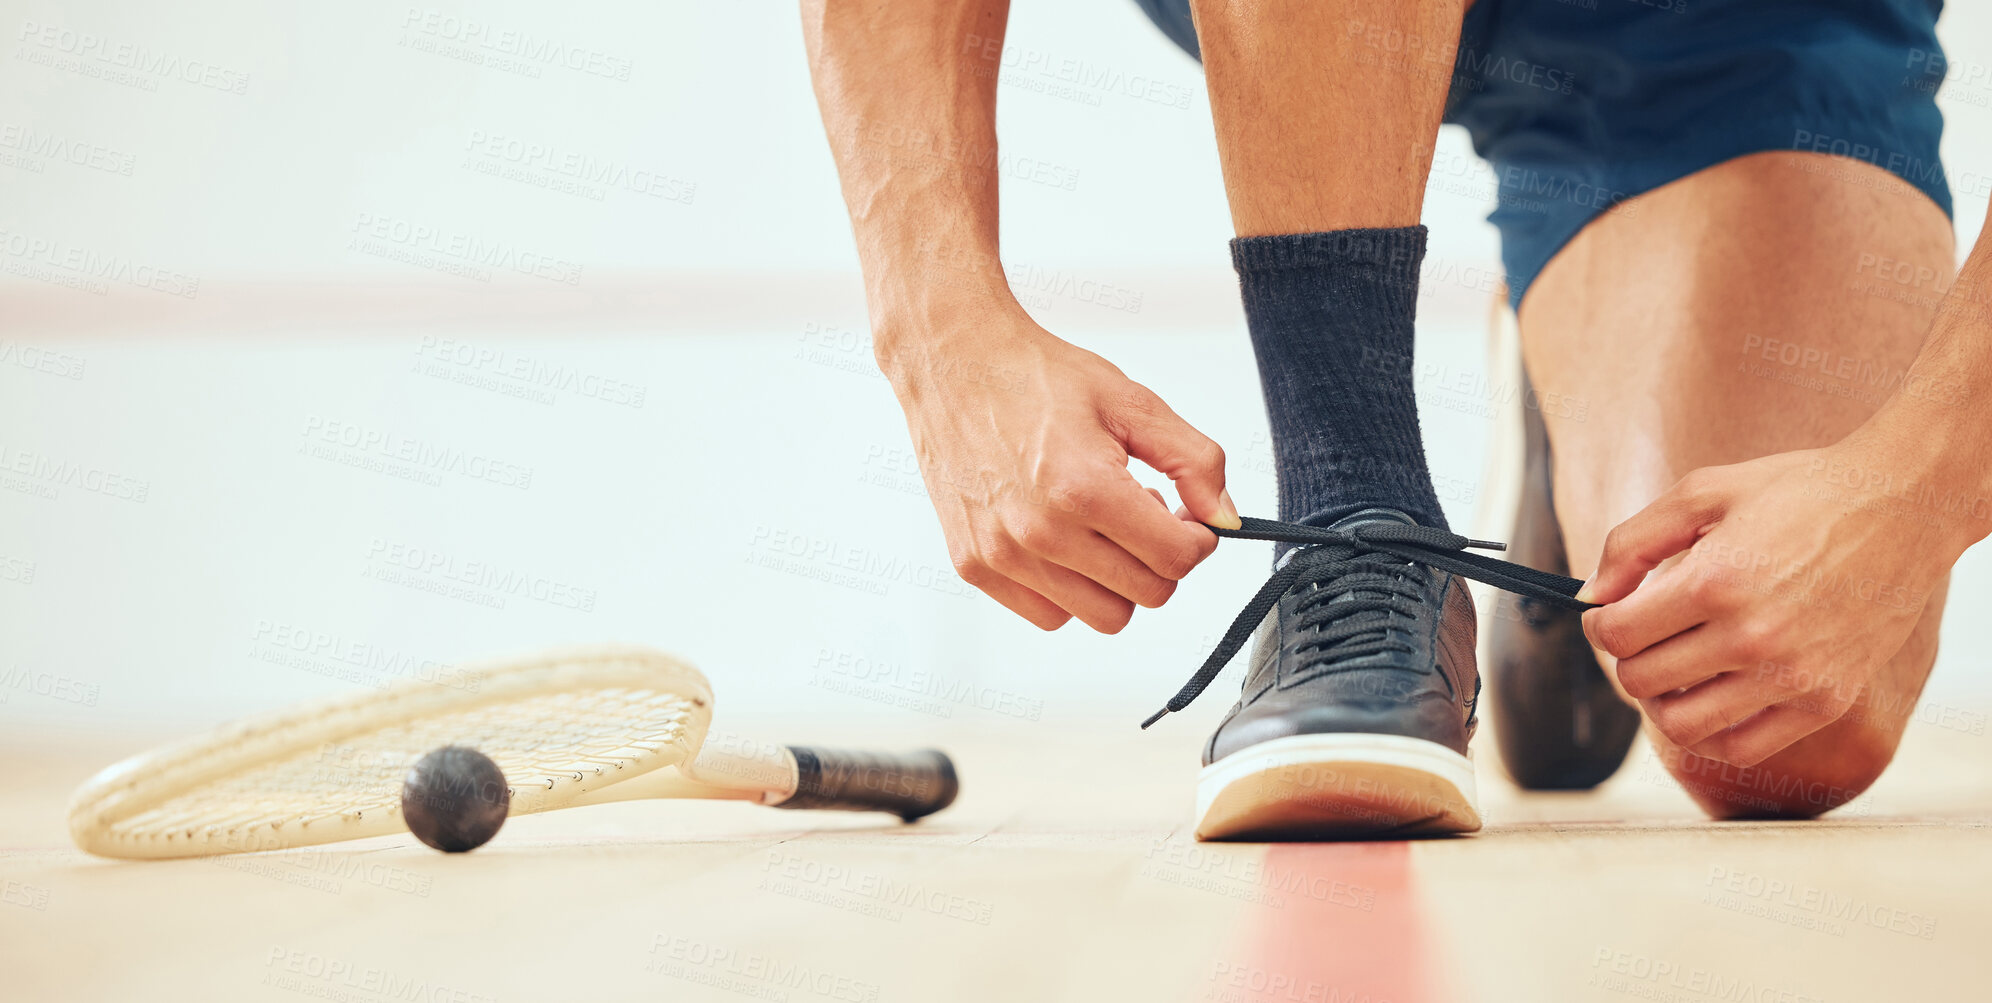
1558	722
1358	707
1359	704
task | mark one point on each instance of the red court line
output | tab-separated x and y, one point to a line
1342	923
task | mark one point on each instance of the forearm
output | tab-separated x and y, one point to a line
908	94
1938	423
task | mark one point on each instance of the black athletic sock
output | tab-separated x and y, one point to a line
1331	321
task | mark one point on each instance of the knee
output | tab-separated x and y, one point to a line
1790	785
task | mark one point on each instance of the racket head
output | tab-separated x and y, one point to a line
560	724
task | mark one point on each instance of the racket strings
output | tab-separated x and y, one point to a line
540	741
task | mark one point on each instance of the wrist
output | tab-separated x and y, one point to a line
1922	466
913	325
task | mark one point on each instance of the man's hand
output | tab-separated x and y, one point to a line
1804	574
1023	438
1024	441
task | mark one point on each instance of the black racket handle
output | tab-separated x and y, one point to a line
910	785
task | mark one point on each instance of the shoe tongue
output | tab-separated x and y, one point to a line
1371	516
1367	517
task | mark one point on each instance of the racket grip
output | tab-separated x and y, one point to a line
910	785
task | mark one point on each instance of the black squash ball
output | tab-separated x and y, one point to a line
455	799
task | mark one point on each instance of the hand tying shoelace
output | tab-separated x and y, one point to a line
1332	553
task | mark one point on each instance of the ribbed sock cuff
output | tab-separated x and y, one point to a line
1395	251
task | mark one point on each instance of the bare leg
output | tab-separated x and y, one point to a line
1326	113
1326	110
1758	306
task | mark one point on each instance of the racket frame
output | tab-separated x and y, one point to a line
150	780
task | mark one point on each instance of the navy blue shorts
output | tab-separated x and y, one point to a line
1578	105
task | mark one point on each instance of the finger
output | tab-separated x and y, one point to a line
1169	546
1025	602
1657	611
1767	734
1671	524
1689	658
1183	515
1157	495
1154	434
1691	716
1080	596
1107	563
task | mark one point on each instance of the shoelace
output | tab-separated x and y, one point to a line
1427	545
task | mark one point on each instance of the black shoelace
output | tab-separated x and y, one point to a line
1358	561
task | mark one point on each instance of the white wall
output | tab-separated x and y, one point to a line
729	302
338	116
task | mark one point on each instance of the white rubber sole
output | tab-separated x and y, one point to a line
1337	786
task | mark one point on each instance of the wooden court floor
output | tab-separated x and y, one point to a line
1065	873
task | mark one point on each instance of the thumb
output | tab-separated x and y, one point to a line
1671	524
1154	434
